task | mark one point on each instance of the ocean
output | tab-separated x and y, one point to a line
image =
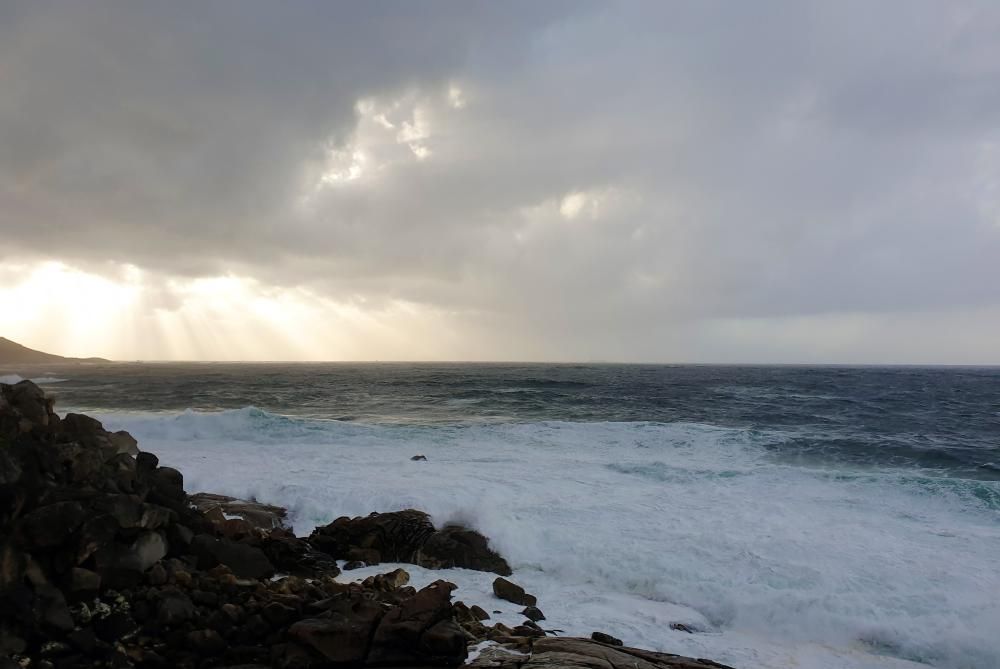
794	516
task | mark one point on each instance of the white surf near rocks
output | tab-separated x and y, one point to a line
628	527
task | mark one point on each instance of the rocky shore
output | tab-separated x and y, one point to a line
106	561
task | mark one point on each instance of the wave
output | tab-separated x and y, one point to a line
15	378
634	524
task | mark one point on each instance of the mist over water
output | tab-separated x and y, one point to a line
807	517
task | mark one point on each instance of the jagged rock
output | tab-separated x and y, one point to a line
155	583
420	631
512	592
344	635
456	546
407	536
533	613
606	638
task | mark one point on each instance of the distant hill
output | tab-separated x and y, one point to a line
13	353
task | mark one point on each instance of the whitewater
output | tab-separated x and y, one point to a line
629	526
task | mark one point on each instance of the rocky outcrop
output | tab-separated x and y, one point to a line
105	561
574	653
407	536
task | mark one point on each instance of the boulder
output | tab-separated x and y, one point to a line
407	536
456	546
533	613
343	635
420	631
244	560
606	638
512	592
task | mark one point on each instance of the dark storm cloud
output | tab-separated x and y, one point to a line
604	173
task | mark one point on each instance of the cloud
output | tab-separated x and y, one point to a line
610	181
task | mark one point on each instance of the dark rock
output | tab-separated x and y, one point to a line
51	610
354	564
455	546
420	631
512	592
407	536
533	613
531	631
175	607
278	614
681	627
244	560
344	635
207	642
114	626
84	581
606	638
50	525
479	613
419	458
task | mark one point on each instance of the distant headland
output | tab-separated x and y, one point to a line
14	353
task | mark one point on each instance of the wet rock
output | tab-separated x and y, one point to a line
407	536
256	514
456	546
479	613
533	613
512	592
354	564
681	627
419	458
606	638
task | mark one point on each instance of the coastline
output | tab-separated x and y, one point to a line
107	560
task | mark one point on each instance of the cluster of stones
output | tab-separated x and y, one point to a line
105	561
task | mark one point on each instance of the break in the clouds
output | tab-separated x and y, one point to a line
710	181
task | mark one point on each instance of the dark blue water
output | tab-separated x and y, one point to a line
945	419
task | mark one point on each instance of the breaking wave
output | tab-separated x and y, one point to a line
627	526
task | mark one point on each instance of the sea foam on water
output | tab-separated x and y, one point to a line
627	527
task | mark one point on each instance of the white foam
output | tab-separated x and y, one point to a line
626	527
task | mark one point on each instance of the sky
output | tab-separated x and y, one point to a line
773	182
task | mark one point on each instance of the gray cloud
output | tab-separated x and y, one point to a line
617	180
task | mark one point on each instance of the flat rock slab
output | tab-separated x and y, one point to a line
263	516
564	653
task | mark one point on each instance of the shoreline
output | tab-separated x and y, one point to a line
106	560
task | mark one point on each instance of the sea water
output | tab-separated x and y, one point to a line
792	516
